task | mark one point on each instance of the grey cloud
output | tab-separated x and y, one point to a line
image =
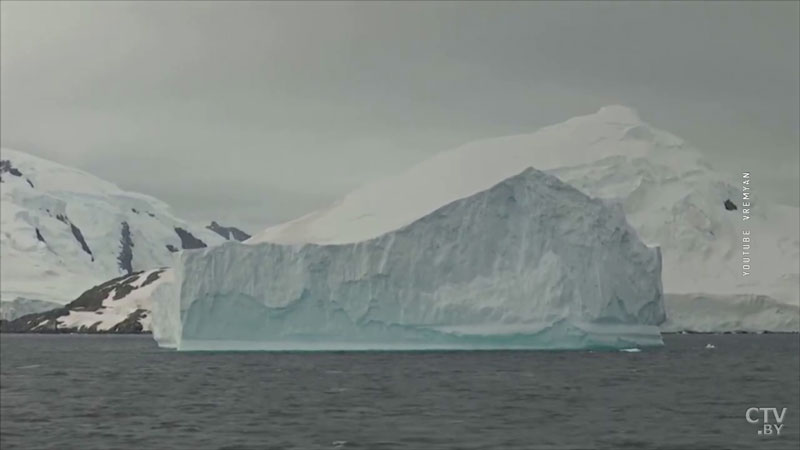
284	106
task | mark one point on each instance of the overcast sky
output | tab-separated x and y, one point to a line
254	113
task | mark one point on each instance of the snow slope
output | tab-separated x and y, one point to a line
63	230
670	194
527	263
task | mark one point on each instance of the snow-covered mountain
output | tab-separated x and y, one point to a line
63	230
530	262
670	194
121	305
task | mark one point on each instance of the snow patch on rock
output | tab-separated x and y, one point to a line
120	305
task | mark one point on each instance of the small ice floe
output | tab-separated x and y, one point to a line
710	346
338	444
32	366
630	350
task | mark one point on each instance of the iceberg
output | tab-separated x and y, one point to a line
527	263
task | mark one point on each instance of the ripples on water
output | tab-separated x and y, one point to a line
122	392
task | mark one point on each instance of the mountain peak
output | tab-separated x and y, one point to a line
619	113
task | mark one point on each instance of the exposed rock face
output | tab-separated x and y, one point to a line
126	253
79	237
152	278
76	232
6	167
188	241
729	205
132	324
229	233
46	322
92	300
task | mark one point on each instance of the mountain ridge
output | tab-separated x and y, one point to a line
66	230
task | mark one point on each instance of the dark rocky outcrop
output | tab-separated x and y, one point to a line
152	277
92	299
188	241
125	287
39	236
7	167
132	324
79	237
171	248
228	233
75	232
125	258
45	322
729	205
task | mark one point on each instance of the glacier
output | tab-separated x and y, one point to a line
529	262
19	307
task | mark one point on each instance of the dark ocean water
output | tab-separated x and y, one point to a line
122	392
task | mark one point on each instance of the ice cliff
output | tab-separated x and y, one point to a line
530	262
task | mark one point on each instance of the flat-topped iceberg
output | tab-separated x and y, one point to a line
530	262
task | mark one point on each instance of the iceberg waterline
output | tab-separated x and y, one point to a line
528	263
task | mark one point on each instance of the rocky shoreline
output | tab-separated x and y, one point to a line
118	306
47	323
